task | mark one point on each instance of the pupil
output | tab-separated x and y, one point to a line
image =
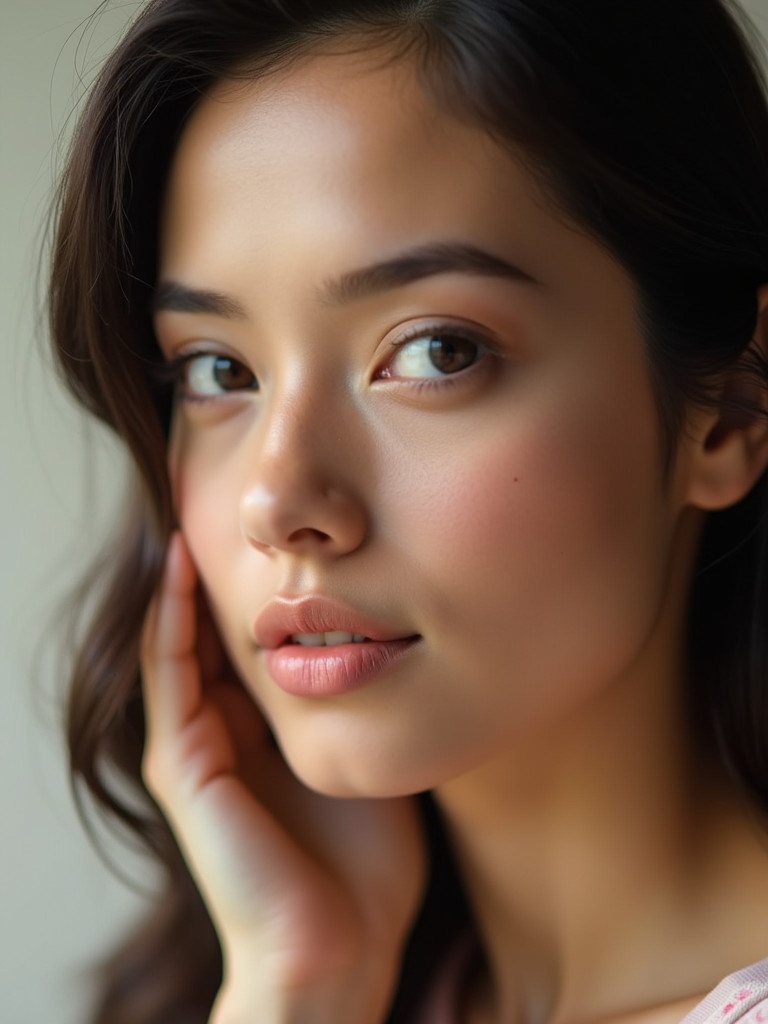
450	354
231	375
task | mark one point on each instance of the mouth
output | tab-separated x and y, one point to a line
315	620
315	646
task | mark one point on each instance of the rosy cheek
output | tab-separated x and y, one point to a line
552	501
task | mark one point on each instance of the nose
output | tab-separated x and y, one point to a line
300	496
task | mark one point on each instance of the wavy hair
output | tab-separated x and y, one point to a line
645	120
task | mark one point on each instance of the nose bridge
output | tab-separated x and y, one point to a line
298	490
300	435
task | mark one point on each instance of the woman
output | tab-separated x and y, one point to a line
437	332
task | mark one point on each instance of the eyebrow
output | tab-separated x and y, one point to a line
173	297
424	261
416	264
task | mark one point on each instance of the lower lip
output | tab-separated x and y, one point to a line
332	671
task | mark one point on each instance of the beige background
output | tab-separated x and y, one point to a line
59	906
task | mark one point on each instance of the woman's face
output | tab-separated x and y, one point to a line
415	407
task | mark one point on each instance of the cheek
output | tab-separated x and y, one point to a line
205	493
538	493
546	550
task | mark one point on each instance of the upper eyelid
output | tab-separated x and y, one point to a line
176	356
484	337
187	354
171	349
170	371
173	362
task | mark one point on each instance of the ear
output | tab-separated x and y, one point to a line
726	449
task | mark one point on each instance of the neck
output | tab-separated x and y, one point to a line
599	855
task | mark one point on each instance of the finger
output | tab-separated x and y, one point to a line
170	670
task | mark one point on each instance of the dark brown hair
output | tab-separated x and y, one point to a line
647	123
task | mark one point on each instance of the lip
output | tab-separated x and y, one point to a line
325	671
314	613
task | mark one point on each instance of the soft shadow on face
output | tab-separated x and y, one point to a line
467	450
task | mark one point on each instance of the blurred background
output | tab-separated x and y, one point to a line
60	907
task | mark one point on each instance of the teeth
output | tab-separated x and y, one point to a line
309	639
339	637
333	639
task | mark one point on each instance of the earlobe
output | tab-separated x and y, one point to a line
728	446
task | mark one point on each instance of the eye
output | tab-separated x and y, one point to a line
434	353
208	375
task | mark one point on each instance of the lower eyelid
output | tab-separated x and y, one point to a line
444	385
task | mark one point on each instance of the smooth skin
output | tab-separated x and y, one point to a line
504	500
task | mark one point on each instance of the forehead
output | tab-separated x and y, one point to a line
339	161
342	134
319	100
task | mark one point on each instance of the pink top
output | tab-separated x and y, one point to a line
741	997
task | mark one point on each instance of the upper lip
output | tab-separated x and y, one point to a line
284	617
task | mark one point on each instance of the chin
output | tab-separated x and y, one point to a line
342	775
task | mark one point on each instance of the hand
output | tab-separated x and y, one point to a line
311	896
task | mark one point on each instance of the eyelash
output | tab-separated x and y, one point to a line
173	372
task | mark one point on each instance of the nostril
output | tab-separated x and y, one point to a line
308	533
